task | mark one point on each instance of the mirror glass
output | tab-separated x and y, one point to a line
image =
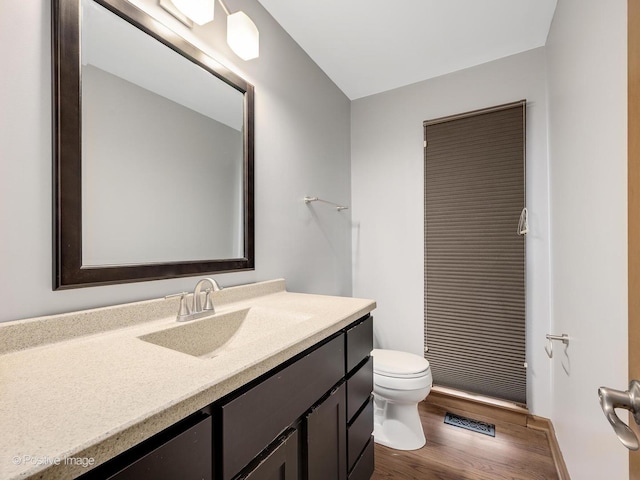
157	180
161	150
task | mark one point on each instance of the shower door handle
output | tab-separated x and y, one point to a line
611	399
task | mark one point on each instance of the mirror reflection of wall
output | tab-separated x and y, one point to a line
162	143
150	190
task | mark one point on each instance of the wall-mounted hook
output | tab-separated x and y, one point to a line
564	338
523	223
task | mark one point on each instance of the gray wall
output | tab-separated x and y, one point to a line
302	148
388	199
587	67
576	194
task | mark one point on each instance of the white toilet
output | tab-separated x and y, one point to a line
400	381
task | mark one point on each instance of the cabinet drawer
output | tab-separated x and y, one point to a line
359	388
254	419
186	456
358	433
359	343
365	464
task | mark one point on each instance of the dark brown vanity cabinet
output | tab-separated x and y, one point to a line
325	395
309	419
252	420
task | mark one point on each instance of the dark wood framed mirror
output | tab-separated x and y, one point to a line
150	180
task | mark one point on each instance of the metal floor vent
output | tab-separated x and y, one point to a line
470	424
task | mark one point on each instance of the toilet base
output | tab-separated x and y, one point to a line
397	425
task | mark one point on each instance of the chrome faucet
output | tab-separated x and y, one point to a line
208	304
197	310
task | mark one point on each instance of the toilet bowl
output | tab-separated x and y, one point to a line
400	381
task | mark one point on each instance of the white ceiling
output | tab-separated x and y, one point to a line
370	46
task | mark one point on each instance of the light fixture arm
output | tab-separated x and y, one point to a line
224	7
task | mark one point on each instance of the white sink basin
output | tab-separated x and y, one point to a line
210	336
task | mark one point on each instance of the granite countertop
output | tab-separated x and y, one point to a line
78	389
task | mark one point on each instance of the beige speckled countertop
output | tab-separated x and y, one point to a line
84	386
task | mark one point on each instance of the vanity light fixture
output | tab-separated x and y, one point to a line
243	37
200	11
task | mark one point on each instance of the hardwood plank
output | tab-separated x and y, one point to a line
453	453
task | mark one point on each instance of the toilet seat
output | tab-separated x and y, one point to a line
392	363
400	370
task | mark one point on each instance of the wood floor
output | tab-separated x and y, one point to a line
453	453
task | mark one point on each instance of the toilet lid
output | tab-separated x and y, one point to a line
395	363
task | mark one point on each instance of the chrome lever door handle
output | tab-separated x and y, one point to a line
611	399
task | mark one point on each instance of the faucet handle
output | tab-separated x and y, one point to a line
183	310
208	302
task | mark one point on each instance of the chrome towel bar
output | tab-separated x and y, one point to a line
316	199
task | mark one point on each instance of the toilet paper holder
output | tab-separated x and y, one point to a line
564	338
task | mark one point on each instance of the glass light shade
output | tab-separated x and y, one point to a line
243	36
200	11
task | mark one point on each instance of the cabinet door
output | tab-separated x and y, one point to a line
280	464
326	438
